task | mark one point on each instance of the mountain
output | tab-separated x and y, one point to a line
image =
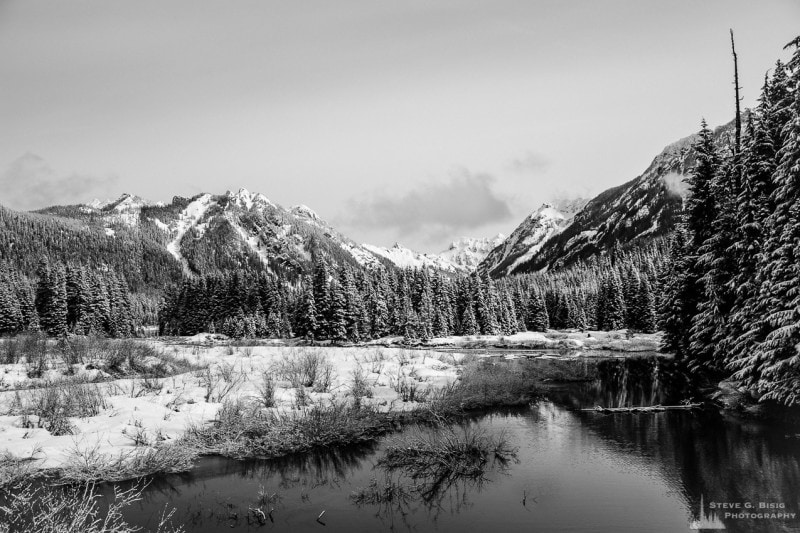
204	234
643	208
467	253
463	255
529	237
208	233
76	234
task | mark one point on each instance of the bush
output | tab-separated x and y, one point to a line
442	456
56	402
483	385
11	350
266	391
359	388
76	509
241	431
306	368
90	465
34	348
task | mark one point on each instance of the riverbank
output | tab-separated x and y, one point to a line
573	340
102	416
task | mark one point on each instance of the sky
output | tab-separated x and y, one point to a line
414	122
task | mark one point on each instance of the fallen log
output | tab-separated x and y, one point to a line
643	409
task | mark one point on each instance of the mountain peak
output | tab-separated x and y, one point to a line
247	199
304	211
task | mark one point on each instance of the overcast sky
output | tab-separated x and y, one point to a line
414	121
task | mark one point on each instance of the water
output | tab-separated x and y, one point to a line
576	471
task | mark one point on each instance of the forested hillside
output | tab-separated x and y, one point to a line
732	282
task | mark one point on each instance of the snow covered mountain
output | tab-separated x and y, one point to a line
645	207
529	237
123	210
210	233
463	255
467	253
216	232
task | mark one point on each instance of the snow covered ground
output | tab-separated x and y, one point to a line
573	340
135	413
113	417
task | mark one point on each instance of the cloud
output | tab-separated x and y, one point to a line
675	184
529	163
29	183
466	201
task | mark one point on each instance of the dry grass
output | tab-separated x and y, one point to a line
483	385
90	465
51	406
306	367
243	430
446	453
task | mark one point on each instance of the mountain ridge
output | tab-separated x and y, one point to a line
644	207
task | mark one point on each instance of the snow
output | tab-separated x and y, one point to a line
579	341
303	211
161	225
528	239
250	240
469	252
362	256
186	219
99	204
163	413
406	258
543	224
246	199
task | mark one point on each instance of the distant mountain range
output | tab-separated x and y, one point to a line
463	255
208	233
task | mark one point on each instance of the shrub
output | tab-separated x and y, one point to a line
266	391
240	431
34	348
91	465
77	509
359	388
483	385
306	368
11	350
56	402
446	452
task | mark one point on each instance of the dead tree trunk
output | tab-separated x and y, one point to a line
738	139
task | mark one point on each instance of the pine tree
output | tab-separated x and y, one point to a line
336	319
10	315
646	307
779	352
51	300
614	304
469	325
537	313
307	315
685	286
